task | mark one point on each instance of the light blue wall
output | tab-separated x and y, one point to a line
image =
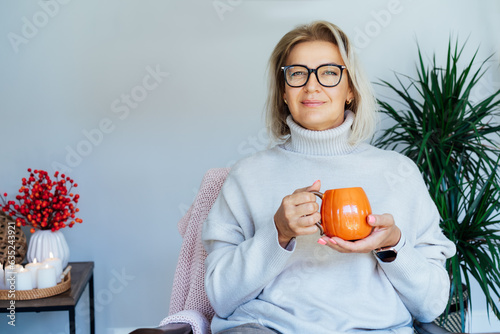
63	88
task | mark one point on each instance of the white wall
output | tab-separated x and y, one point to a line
63	87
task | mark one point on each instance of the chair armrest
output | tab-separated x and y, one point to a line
166	329
428	328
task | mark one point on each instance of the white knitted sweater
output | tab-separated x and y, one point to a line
308	287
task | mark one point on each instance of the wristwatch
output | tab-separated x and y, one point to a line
386	254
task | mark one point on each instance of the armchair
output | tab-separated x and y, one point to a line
190	311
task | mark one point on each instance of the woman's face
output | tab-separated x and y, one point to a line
313	106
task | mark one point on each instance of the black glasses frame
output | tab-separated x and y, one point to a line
315	71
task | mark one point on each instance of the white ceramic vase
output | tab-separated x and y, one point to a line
43	242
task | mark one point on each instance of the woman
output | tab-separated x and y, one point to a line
268	269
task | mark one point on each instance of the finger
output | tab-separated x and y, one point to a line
332	243
316	186
385	220
306	209
309	221
345	246
323	240
308	230
299	198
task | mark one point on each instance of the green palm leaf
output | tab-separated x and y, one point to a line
453	140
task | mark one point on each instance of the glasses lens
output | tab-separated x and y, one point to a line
296	75
329	75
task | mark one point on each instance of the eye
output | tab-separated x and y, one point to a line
296	73
330	73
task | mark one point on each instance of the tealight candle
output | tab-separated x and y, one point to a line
3	286
8	273
33	267
57	264
46	276
23	279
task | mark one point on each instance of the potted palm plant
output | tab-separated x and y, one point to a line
454	141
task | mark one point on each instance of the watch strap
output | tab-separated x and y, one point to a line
386	254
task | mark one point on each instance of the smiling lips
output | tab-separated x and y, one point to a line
312	103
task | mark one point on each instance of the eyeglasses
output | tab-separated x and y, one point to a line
328	75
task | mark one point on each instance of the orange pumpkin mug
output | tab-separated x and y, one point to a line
344	212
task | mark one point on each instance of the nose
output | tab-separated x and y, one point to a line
312	85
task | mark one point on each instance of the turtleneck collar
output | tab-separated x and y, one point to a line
326	143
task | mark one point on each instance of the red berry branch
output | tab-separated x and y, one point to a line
43	203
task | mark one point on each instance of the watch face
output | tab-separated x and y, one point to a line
387	255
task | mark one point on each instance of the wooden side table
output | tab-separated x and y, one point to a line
82	273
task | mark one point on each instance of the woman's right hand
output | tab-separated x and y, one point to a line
297	214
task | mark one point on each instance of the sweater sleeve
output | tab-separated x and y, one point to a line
242	259
418	273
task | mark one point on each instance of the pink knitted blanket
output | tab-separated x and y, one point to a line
188	292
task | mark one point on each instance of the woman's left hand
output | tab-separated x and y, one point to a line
385	233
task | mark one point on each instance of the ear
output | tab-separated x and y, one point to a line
350	94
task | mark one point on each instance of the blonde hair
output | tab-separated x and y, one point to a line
363	105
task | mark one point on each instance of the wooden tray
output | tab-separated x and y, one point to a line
61	287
